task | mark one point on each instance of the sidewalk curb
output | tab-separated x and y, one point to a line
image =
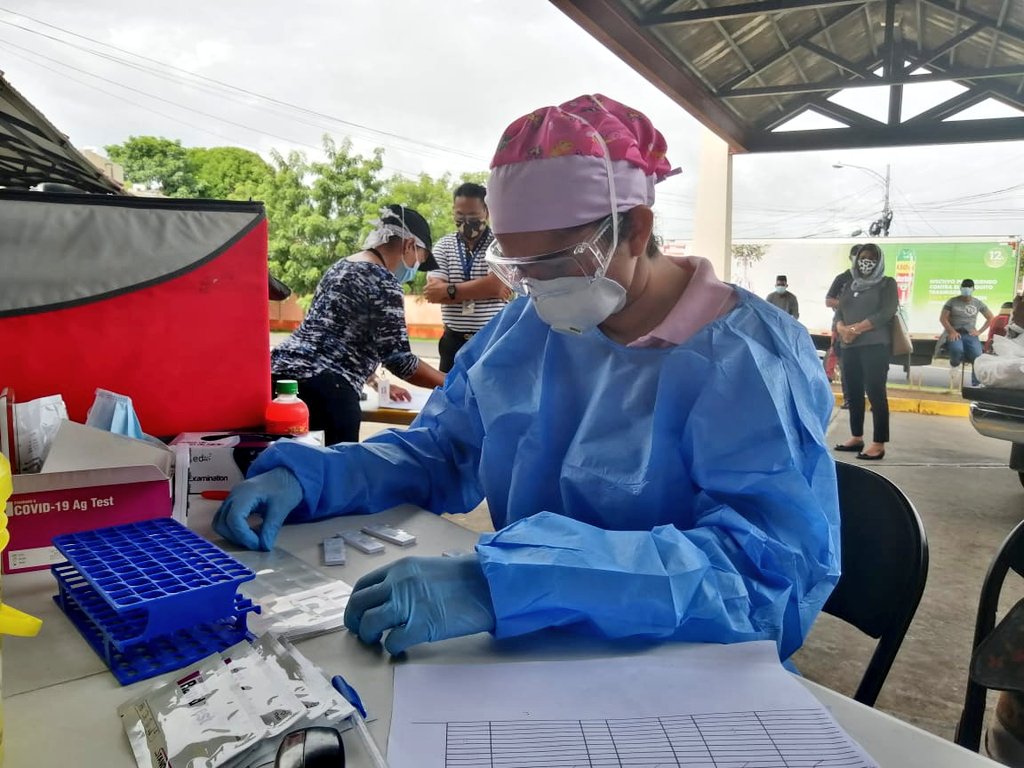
923	406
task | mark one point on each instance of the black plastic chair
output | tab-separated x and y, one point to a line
885	567
1010	555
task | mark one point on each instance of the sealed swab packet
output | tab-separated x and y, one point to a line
266	690
324	705
197	720
308	683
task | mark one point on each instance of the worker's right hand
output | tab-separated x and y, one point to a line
271	495
953	336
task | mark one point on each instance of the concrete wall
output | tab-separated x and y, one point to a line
422	318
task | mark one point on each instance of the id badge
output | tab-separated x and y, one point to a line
468	307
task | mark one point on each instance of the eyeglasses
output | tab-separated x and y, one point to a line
585	259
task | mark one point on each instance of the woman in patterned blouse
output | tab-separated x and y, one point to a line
356	323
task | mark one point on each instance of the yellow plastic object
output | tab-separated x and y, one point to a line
12	621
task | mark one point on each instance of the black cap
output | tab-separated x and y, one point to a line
968	283
278	290
781	279
415	223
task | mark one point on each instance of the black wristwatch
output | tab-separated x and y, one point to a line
451	290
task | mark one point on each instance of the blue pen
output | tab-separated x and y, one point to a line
359	723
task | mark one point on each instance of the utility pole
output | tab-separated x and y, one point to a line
886	210
879	226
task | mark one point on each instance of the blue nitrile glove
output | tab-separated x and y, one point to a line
421	599
271	495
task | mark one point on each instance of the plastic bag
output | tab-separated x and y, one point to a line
37	421
1000	372
295	599
1007	347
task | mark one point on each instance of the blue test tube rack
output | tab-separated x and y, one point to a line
151	597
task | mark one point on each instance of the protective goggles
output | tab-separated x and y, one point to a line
585	259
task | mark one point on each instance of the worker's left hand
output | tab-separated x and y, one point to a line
421	599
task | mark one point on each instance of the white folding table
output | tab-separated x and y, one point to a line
60	702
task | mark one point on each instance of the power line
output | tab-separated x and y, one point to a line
125	99
177	104
222	84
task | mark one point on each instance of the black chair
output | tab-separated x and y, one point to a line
979	679
885	566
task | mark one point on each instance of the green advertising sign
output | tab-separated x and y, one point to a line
929	274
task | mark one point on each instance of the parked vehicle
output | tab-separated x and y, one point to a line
999	413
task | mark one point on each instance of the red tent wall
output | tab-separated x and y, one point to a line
190	348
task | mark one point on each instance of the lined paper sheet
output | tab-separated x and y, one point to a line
706	706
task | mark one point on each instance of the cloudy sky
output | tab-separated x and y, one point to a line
434	82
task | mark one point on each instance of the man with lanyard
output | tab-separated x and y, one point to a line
463	285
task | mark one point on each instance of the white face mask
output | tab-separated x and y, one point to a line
576	304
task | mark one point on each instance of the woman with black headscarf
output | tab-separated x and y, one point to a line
867	308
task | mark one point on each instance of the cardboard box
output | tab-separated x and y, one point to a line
91	479
218	461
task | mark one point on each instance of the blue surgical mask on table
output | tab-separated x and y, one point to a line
114	413
966	291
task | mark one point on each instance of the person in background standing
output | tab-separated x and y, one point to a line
832	301
783	299
959	317
867	307
462	284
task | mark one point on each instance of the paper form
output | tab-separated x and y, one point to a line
419	399
419	396
700	706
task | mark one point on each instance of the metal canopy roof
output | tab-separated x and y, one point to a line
33	151
746	68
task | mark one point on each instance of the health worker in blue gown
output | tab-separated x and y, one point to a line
649	440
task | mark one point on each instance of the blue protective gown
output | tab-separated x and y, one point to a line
684	492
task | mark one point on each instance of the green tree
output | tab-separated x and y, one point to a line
431	197
744	255
156	163
228	173
318	211
476	177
